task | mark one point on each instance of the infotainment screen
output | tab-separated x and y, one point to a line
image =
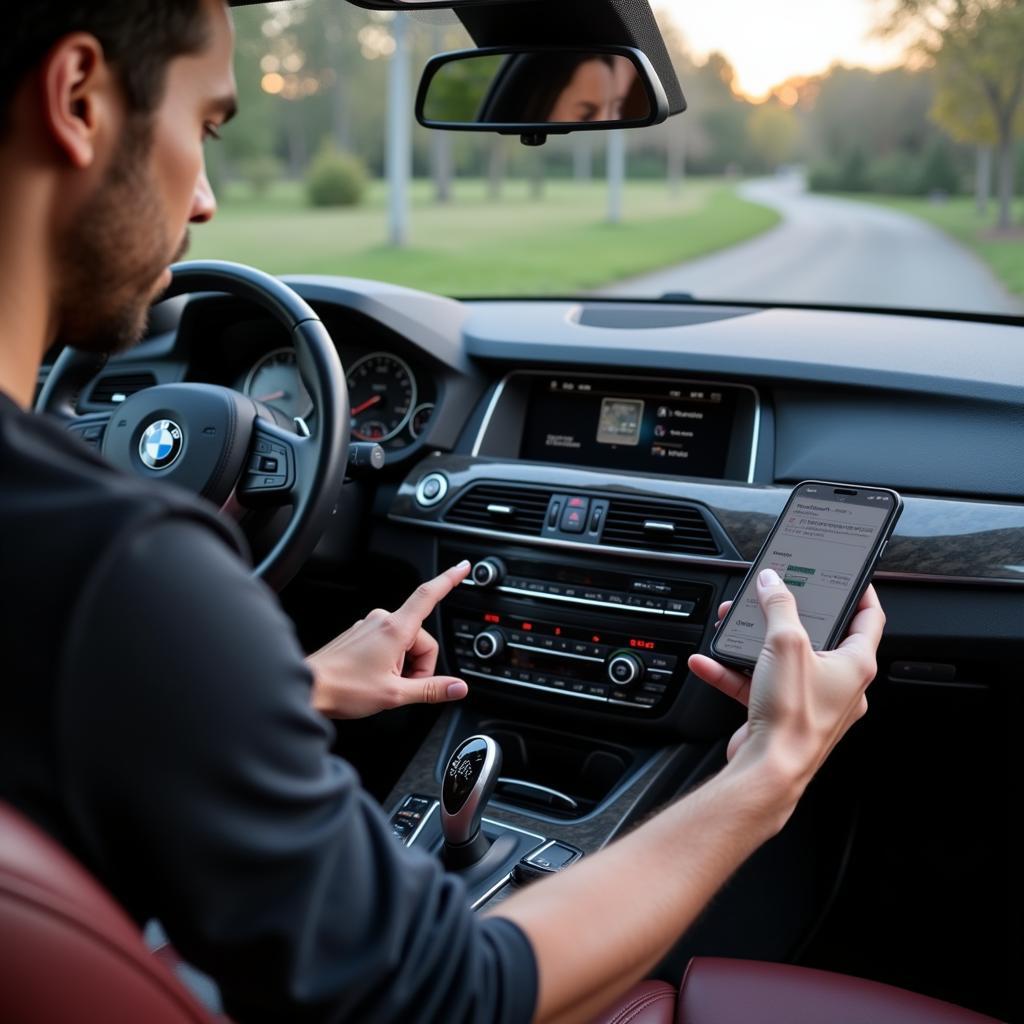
642	426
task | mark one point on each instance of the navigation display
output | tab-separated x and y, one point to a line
645	427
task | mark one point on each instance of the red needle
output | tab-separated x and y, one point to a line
365	405
272	396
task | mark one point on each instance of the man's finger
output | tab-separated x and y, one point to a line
426	597
434	690
865	632
732	684
421	658
780	611
723	609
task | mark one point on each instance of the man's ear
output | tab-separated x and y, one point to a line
77	96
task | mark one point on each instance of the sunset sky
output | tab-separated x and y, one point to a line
769	42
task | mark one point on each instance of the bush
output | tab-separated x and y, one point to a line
939	174
848	176
260	172
335	179
898	174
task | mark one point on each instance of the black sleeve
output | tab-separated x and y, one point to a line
206	795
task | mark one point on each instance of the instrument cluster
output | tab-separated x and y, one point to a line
388	404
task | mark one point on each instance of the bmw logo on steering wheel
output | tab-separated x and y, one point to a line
161	444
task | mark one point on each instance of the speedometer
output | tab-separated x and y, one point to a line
382	395
275	380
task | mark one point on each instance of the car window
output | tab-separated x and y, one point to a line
860	152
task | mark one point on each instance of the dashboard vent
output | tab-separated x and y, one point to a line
510	509
114	388
658	527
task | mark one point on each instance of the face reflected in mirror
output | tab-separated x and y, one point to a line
539	87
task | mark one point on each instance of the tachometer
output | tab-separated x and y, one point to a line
275	380
382	395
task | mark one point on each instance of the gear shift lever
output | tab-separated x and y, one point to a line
469	779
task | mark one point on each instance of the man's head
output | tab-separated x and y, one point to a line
109	104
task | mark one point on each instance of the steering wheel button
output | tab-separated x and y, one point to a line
267	464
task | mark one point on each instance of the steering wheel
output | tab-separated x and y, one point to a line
221	444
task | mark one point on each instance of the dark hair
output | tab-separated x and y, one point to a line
139	39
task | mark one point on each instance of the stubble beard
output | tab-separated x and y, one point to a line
113	256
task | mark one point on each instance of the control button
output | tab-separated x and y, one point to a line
598	650
646	700
649	603
578	687
656	688
680	607
624	669
614	597
557	684
268	464
430	490
665	662
595	519
553	513
574	518
597	689
488	644
554	857
553	589
488	571
595	595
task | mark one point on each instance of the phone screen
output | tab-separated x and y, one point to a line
820	547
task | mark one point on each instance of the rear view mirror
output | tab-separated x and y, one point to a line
541	91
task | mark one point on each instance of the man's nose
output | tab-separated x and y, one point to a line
204	203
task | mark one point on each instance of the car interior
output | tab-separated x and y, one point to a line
611	467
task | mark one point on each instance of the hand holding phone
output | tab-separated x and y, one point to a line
799	702
824	546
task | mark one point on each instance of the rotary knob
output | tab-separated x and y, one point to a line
488	572
624	668
488	644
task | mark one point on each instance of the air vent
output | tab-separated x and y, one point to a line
658	527
509	509
114	388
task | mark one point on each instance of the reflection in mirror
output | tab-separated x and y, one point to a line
576	87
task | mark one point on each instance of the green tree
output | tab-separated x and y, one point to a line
978	50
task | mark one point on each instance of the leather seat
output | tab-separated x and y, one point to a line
69	952
720	991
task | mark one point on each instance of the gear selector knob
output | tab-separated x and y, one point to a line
469	779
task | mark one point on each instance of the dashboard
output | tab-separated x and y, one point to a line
615	466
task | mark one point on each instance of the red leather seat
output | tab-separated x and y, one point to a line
69	953
719	991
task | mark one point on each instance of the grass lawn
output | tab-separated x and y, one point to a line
559	244
957	217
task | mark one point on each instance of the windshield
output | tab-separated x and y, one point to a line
859	152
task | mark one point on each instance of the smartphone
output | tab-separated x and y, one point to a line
825	546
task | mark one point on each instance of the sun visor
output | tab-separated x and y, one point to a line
577	22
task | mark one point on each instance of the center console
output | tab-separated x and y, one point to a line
617	641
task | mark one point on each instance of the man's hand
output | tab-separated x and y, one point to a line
800	702
388	659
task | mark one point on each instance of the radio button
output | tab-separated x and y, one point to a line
598	690
624	669
488	644
487	572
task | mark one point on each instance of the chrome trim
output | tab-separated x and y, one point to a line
540	789
657	527
419	828
500	390
301	426
531	686
511	828
556	654
421	499
571	545
486	421
500	510
589	601
705	560
628	704
497	887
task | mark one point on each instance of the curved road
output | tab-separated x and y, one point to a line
837	251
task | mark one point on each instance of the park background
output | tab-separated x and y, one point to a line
310	178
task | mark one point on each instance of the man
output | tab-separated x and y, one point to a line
157	710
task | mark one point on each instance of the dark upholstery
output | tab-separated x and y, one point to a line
69	952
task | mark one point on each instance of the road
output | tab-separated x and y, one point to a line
838	251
